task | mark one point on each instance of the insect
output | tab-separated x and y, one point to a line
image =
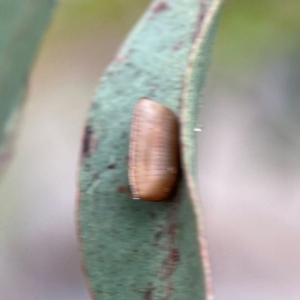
153	151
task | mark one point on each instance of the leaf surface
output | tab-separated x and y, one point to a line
133	249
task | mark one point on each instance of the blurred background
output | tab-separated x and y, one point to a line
249	163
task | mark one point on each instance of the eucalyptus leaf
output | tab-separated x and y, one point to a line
22	23
134	249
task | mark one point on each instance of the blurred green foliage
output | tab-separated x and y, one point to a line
23	24
76	15
250	31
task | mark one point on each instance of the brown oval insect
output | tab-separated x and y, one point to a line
153	151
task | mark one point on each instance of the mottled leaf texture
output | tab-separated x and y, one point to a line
22	24
135	250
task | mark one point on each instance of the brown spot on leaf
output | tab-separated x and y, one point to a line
160	6
96	177
174	255
89	142
148	294
200	19
124	189
86	140
178	46
119	59
111	166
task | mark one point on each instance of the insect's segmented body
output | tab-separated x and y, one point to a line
154	151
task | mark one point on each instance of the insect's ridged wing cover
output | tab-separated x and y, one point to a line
153	166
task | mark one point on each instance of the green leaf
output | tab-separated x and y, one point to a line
133	249
22	24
